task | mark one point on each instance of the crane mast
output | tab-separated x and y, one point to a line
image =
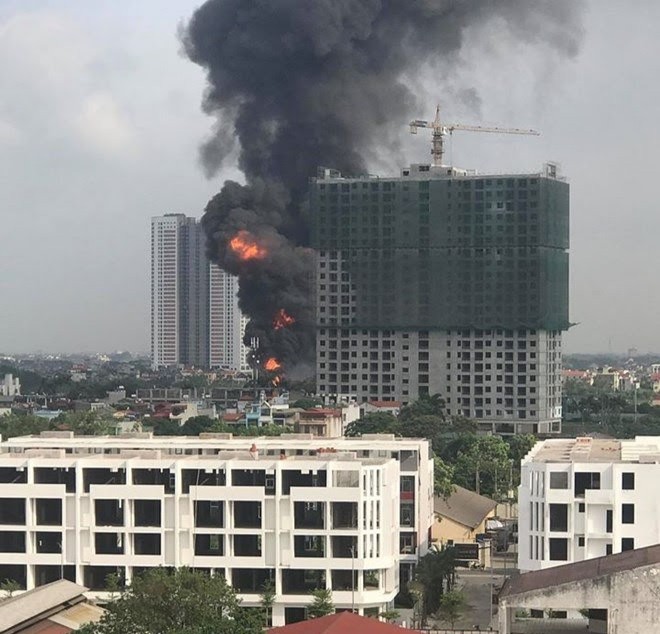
440	130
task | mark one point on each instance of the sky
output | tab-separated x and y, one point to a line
100	124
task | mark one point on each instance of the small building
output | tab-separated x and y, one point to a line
619	591
321	422
10	386
460	517
59	607
341	623
387	407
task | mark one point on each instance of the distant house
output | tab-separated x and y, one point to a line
461	517
341	623
59	607
389	407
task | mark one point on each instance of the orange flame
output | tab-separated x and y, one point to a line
282	319
272	364
246	247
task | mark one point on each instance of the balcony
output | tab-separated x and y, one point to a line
344	515
12	511
309	515
291	478
247	545
209	545
109	543
251	580
302	581
12	475
98	578
200	478
309	546
209	514
146	543
48	512
147	513
102	476
48	543
109	512
155	477
247	514
344	547
67	477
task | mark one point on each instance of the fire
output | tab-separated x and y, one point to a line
282	319
272	364
246	247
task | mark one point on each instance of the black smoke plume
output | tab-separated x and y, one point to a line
302	83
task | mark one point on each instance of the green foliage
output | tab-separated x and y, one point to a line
389	615
482	465
180	601
307	402
375	423
321	605
267	601
87	423
452	606
9	586
12	425
434	576
443	477
197	425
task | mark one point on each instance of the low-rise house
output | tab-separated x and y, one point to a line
461	517
59	607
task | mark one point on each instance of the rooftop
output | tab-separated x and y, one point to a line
341	623
589	569
465	507
53	601
641	449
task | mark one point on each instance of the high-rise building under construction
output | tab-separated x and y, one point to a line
442	281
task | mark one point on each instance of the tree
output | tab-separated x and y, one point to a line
443	476
12	425
307	402
322	604
88	423
180	601
9	586
424	406
452	606
375	423
267	600
482	465
390	615
196	425
435	576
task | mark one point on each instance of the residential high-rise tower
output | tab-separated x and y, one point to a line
195	319
444	281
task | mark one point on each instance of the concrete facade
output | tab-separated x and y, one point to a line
622	589
351	515
584	498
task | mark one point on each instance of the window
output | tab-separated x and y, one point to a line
586	480
559	517
559	480
627	543
581	541
581	507
558	549
627	513
608	521
627	481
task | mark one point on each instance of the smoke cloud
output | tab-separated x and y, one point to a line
296	84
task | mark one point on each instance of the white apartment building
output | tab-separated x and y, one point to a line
352	515
226	323
10	386
582	498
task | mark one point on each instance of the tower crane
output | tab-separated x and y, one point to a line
440	130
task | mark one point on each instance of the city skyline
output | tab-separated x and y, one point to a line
95	77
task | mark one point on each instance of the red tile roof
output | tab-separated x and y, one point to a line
341	623
317	411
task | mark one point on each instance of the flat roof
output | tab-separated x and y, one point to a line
641	449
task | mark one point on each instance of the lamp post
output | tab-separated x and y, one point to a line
352	578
